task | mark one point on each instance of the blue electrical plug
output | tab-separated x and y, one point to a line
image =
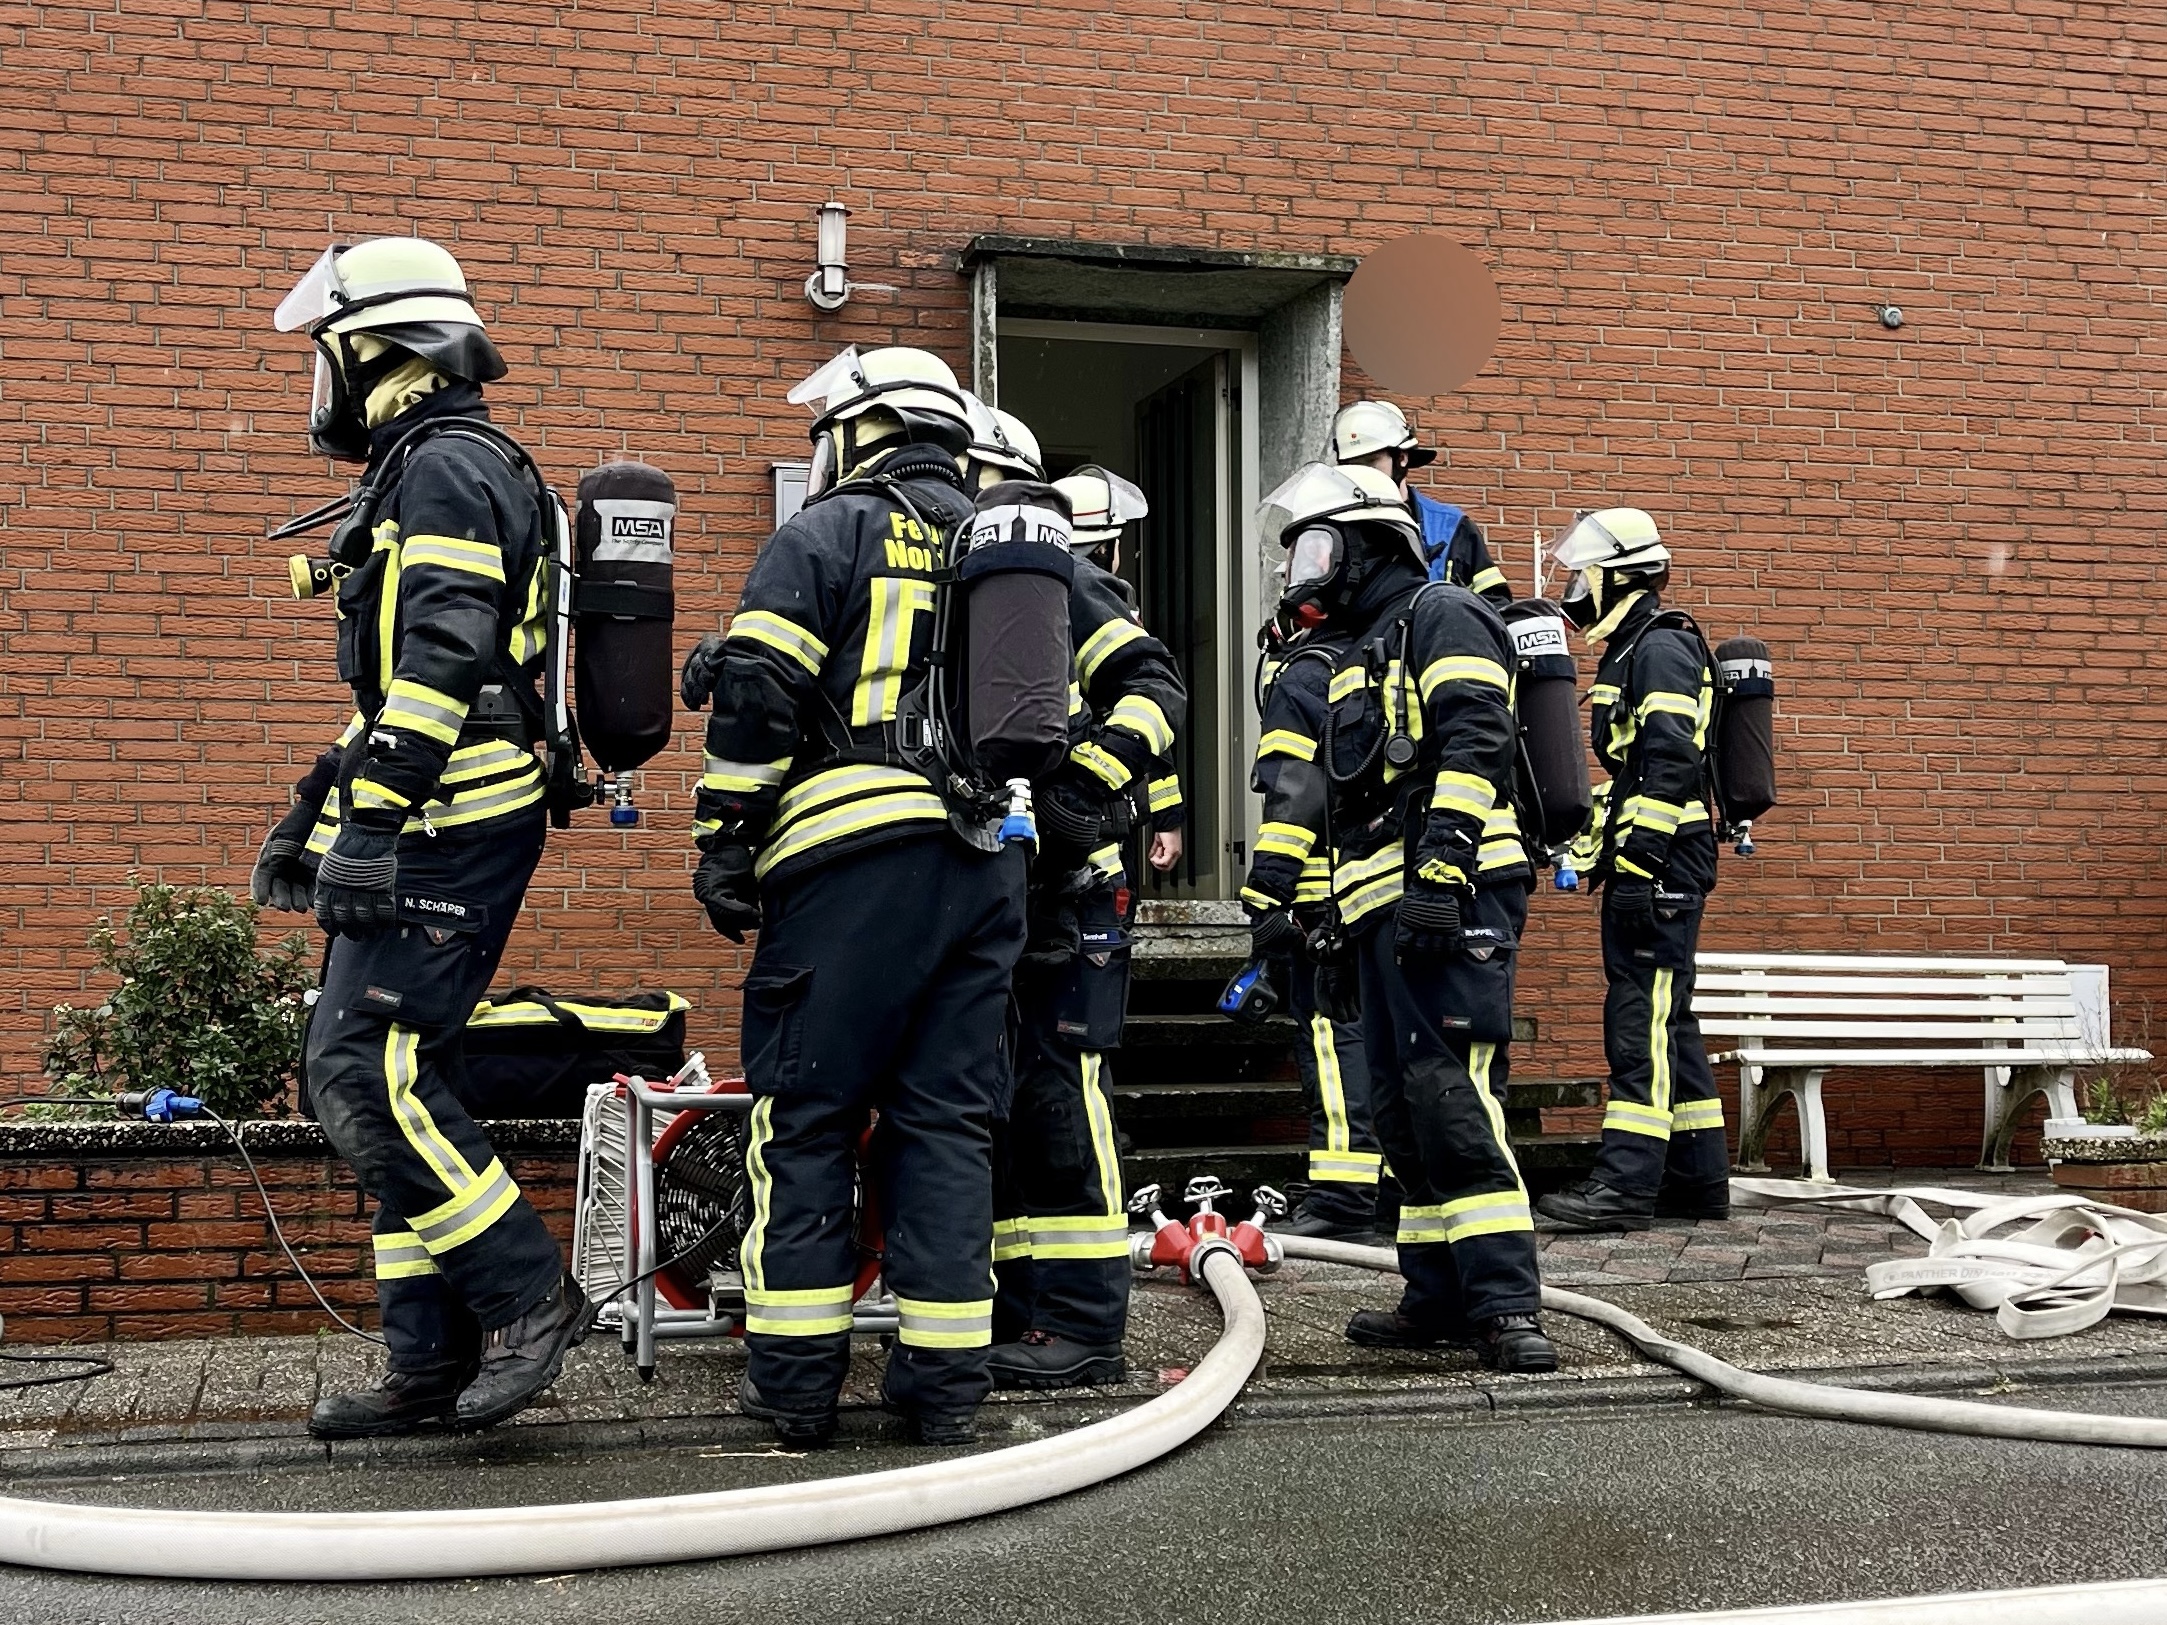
159	1105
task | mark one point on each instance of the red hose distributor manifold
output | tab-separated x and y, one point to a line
1173	1244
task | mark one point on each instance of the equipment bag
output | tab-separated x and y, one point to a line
533	1054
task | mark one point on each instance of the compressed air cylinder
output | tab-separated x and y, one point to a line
624	677
1553	766
1015	574
1746	740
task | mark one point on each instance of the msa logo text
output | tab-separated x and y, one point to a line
625	527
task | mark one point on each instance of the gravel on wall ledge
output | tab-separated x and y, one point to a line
264	1137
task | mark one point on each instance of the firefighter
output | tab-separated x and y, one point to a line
1061	1237
1431	883
1375	434
414	836
1663	1154
887	941
1288	896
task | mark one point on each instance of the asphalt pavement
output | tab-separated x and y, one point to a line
1438	1519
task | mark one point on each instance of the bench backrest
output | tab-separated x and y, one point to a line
1886	1001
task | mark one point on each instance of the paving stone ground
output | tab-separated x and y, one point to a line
1770	1290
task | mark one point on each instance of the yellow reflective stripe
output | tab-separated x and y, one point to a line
526	1013
1075	699
482	761
386	542
1101	1117
1331	1087
1165	794
1663	703
1368	884
1285	841
1073	1238
1286	742
401	1256
801	1312
1345	1167
742	778
1107	861
469	1213
1419	1225
1469	793
1143	718
1487	579
1493	1214
1440	873
897	601
760	1131
1259	899
835	784
483	802
1361	903
1463	669
1099	645
901	807
1694	1115
1659	1040
1102	764
1349	680
402	1066
1315	886
369	795
1604	694
532	632
1010	1241
484	559
781	634
427	711
352	731
928	1324
1625	1117
1481	1062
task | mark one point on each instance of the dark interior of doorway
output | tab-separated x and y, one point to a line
1149	412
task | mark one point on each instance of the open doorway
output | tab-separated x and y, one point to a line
1163	406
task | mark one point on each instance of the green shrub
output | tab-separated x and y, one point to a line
200	1007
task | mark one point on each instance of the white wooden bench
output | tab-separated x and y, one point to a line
1788	1019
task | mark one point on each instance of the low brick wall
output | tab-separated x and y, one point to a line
145	1230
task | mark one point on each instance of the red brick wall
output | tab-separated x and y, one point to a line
1946	533
103	1247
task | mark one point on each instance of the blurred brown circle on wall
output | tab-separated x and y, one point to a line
1421	315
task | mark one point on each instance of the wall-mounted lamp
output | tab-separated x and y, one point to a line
829	285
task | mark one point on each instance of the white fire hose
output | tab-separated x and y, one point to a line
459	1543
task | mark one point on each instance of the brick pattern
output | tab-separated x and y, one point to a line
108	1248
1689	205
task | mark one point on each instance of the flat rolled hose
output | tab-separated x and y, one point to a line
1787	1393
417	1545
2114	1602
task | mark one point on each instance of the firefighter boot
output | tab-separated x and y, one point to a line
1515	1343
402	1402
1709	1199
1389	1329
795	1429
1593	1205
1044	1360
522	1359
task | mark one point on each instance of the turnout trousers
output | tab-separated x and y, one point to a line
1345	1159
459	1250
1664	1121
1436	1031
880	984
1061	1230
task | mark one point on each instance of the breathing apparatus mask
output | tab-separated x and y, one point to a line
875	402
1339	525
371	308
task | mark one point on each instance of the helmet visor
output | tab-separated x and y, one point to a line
1584	542
1125	501
820	474
1580	588
827	379
323	394
317	295
1313	557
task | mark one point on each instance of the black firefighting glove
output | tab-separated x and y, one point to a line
1429	922
285	876
1338	993
1274	933
1632	905
1054	936
725	886
696	681
357	882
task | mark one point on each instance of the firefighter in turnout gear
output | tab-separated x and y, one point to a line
1663	1153
887	940
1289	899
1061	1234
1431	883
1375	434
413	837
